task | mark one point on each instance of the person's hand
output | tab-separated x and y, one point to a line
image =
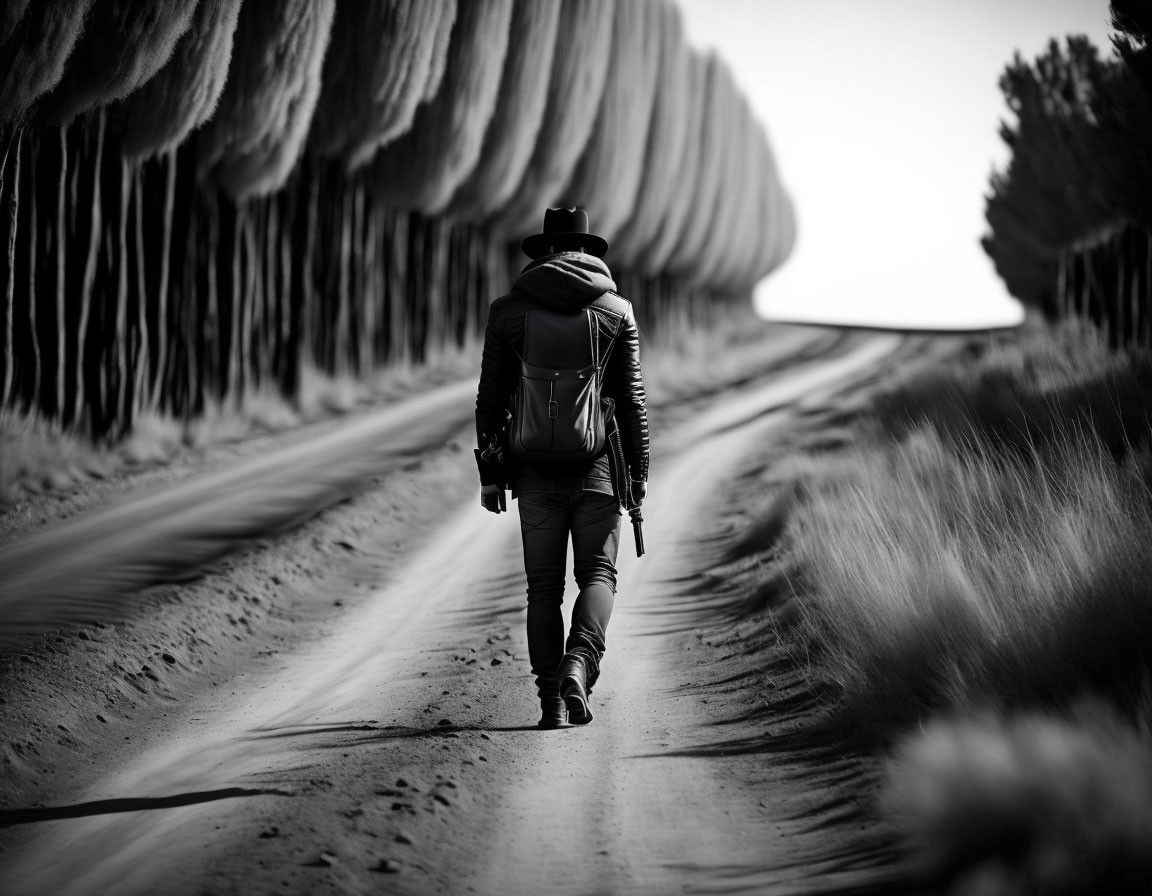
639	491
492	498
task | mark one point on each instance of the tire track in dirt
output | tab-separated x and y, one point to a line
79	567
577	810
655	822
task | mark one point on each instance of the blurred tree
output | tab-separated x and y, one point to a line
607	177
183	94
201	198
384	57
575	87
123	44
666	146
520	106
257	134
1124	110
689	171
423	168
706	186
156	119
1054	196
36	41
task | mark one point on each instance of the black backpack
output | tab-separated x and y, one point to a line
557	411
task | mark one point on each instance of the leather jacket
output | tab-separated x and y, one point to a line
568	280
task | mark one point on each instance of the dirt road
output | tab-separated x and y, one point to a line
395	750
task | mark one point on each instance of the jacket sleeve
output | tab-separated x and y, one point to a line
627	380
493	393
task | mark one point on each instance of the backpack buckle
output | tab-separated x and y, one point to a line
553	409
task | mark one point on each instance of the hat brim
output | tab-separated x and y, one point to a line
540	244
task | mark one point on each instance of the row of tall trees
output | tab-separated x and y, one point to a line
1071	217
201	196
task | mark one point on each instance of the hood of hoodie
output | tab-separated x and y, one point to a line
566	281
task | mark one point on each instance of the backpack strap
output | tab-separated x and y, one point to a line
602	361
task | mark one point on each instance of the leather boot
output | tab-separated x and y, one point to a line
553	713
574	688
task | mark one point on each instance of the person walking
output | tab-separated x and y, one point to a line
560	379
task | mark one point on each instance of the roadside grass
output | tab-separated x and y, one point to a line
1018	395
37	455
982	537
934	579
968	573
687	361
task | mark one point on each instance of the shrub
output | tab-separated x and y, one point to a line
1030	804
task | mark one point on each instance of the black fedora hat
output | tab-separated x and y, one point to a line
564	228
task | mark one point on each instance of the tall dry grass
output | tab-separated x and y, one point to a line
984	540
938	579
972	576
38	456
1016	394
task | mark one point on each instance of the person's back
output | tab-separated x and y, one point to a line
565	496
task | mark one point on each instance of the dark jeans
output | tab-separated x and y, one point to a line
546	520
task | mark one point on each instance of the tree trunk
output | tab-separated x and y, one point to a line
1138	238
370	296
272	289
89	280
12	137
399	321
1084	299
162	335
121	415
1062	284
310	249
439	285
343	344
62	230
285	227
416	311
250	309
363	329
235	377
1144	329
145	399
32	394
213	355
10	290
295	255
190	310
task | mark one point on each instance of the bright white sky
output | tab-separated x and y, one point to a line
884	116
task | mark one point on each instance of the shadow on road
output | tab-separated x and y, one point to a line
387	732
128	804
